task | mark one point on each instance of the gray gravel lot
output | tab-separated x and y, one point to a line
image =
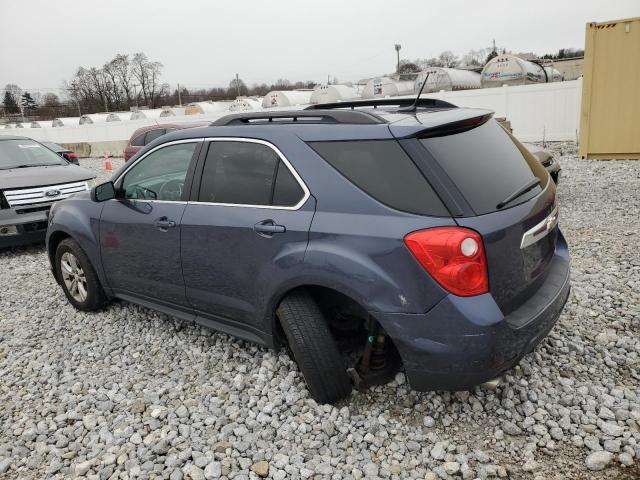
130	393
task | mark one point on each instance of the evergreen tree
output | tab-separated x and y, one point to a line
28	103
10	104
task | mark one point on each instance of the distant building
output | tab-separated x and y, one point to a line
569	68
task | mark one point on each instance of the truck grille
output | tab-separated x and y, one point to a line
37	195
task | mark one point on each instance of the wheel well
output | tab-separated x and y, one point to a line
54	241
348	320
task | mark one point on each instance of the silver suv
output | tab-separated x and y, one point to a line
32	179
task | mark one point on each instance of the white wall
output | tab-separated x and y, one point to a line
549	110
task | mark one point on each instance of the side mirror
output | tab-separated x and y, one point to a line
103	192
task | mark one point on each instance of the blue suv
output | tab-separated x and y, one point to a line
364	237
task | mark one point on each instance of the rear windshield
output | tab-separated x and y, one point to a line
488	166
26	153
383	170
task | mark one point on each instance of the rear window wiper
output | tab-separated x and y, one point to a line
520	191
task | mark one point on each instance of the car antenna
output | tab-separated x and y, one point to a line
414	106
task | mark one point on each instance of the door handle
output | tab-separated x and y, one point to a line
267	228
163	223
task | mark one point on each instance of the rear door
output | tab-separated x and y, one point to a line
245	227
503	192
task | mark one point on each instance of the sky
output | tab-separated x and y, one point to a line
205	43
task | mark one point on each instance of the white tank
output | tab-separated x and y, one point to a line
383	87
333	93
447	79
286	98
243	104
207	107
65	121
172	111
511	70
144	113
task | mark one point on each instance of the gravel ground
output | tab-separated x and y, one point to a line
129	393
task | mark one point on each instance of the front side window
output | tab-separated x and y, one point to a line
161	174
243	173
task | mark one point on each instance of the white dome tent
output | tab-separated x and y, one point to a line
40	124
146	113
93	118
286	98
333	94
65	121
448	79
10	125
172	112
383	87
199	108
243	104
511	70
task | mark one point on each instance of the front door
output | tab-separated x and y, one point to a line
247	226
140	230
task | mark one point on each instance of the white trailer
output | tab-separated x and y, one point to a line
511	70
447	79
286	98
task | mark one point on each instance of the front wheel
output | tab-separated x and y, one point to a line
314	348
78	278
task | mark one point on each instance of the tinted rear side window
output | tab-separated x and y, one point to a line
153	134
384	171
138	141
243	173
487	165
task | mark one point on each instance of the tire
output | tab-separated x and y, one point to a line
94	298
313	348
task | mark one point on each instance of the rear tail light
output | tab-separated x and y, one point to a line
72	155
454	257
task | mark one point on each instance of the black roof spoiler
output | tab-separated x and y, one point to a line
300	116
381	102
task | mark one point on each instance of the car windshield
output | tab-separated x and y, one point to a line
25	153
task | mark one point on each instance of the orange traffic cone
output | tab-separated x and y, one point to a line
107	162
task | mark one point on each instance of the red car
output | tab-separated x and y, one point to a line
145	135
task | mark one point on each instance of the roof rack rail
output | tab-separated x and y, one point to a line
380	102
299	116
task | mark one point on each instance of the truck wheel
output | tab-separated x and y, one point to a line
78	278
313	348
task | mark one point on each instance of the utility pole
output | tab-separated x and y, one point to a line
238	84
179	97
398	47
328	79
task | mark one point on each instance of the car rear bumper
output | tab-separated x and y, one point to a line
29	228
463	342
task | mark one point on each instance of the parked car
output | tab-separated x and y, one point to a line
366	230
65	153
546	159
145	135
32	179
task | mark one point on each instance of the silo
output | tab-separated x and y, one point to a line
243	104
199	108
511	70
447	79
333	94
286	98
65	121
146	113
383	87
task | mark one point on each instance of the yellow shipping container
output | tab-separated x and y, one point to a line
610	115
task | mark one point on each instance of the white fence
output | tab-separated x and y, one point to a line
548	111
